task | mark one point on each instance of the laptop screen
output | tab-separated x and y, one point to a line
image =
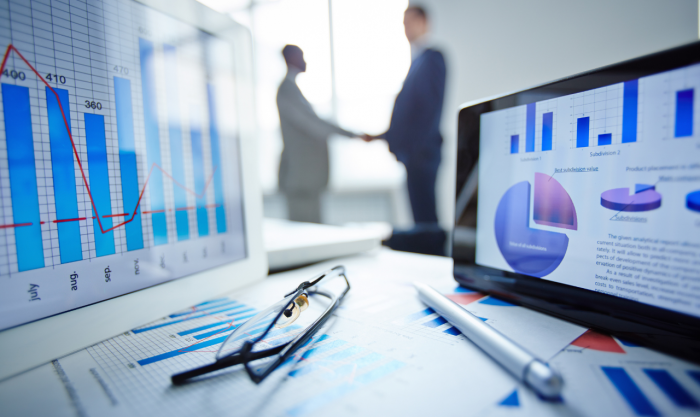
599	189
119	160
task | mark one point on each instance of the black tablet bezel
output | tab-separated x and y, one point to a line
659	328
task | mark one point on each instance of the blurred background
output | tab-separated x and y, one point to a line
358	57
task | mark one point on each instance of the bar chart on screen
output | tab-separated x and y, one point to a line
531	128
111	152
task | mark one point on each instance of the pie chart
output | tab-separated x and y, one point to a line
532	251
645	198
692	201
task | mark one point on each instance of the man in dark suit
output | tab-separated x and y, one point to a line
414	133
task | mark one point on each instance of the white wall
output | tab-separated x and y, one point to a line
500	46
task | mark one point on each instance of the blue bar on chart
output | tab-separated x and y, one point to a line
23	186
684	113
98	172
605	139
530	128
629	390
419	315
177	159
63	168
547	128
216	162
127	163
436	322
630	98
582	129
150	121
674	390
514	143
198	169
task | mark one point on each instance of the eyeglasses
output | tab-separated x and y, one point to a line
272	336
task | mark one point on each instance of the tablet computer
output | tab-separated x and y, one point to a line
581	198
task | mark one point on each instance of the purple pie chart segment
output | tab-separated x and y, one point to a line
553	205
528	251
692	201
619	199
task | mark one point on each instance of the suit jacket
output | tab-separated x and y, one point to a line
304	164
414	131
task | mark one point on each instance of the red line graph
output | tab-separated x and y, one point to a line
70	220
11	48
6	226
115	215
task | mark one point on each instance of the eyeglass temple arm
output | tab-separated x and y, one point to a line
340	270
237	359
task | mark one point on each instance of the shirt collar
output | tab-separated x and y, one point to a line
419	46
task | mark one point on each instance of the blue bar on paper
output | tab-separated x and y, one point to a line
63	167
496	302
514	143
157	326
345	353
630	391
695	375
310	405
629	111
216	161
439	321
304	370
582	128
675	391
223	330
199	181
177	352
23	187
420	314
218	300
605	139
205	308
530	128
452	331
261	326
99	182
177	159
150	122
323	348
357	364
684	113
220	323
127	163
462	290
201	328
547	128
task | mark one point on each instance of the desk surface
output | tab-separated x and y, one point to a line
384	353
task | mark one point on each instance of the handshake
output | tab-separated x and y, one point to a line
368	138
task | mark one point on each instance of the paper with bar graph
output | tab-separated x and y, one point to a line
113	122
383	353
610	376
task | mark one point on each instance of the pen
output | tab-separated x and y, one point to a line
519	362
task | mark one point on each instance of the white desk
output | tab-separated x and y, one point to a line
381	355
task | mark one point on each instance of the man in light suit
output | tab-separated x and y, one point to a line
303	173
414	135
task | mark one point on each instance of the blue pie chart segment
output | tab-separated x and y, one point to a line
692	201
528	251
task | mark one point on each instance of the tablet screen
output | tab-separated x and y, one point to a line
119	163
599	190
